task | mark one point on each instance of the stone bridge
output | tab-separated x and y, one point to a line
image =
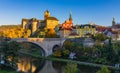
47	44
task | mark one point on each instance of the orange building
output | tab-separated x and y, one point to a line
68	24
67	27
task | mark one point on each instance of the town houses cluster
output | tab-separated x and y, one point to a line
68	29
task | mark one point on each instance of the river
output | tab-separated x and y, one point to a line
34	65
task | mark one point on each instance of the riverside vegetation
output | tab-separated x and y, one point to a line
106	54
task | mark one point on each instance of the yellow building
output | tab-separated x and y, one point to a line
86	30
50	22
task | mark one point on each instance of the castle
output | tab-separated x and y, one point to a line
33	24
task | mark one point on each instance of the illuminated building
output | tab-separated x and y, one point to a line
34	24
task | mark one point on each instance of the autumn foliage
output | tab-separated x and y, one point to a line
14	31
51	33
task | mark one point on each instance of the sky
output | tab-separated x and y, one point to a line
100	12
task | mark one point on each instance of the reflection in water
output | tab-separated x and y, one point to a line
34	65
25	65
48	68
59	66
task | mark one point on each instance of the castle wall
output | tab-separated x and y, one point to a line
24	23
34	26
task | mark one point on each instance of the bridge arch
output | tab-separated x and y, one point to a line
56	47
47	44
40	48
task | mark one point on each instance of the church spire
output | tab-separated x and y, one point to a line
113	21
70	16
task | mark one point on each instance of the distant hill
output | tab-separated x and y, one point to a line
18	25
3	27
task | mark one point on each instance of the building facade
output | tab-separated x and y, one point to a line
85	30
115	30
66	27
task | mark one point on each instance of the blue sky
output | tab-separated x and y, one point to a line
83	11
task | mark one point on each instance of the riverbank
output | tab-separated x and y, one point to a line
4	71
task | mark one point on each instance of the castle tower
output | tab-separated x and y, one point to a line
24	23
113	21
46	14
34	25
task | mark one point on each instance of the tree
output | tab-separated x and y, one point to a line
51	33
9	51
57	53
100	37
12	50
65	53
1	34
27	33
71	68
15	32
111	56
104	69
3	47
68	45
116	48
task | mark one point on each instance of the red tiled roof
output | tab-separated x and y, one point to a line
67	25
116	26
114	32
102	29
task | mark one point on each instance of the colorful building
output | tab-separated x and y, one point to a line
50	22
113	31
85	30
66	28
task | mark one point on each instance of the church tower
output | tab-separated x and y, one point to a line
46	14
70	16
113	21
